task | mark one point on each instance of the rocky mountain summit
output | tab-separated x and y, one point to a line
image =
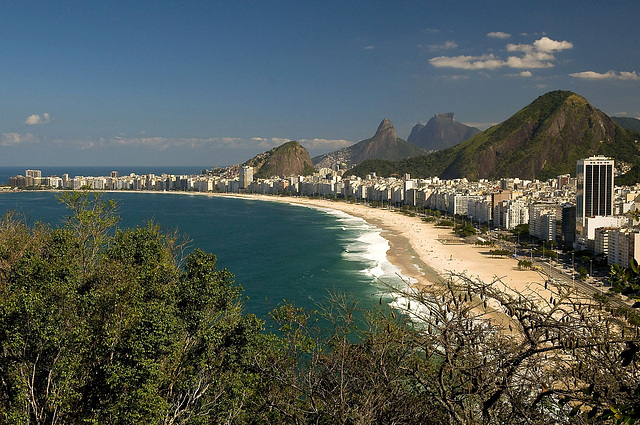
441	131
285	160
542	140
385	144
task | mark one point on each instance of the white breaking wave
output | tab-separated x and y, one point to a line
363	243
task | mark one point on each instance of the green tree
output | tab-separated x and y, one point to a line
445	223
583	272
465	230
524	264
560	360
104	327
522	231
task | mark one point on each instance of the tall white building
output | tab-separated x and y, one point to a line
624	247
542	221
246	176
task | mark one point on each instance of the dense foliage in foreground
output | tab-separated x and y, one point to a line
99	325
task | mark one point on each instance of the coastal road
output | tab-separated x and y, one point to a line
584	287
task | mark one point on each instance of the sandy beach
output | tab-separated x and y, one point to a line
415	249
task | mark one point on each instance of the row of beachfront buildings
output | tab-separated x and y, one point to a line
585	211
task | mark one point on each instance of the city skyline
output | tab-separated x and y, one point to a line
214	84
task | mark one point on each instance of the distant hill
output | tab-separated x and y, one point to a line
628	123
383	145
285	160
542	140
441	131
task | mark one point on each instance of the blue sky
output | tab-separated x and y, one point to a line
214	83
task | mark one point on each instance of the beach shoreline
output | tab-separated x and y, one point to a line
415	249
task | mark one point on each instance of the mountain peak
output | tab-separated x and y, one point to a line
385	144
448	115
384	126
387	132
287	159
542	140
442	131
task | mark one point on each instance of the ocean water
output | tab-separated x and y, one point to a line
277	251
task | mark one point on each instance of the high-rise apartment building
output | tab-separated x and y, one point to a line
246	176
594	193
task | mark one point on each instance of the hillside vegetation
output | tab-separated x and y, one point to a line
288	159
542	140
105	325
628	123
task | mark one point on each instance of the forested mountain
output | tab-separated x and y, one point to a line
628	123
285	160
542	140
441	131
385	144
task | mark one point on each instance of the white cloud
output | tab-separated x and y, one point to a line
156	142
624	75
370	47
609	75
326	145
522	74
545	44
467	62
10	139
498	34
35	119
455	77
540	54
447	45
481	125
532	61
160	144
536	55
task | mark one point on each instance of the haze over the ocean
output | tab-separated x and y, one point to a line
214	83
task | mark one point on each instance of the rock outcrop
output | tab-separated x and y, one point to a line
385	144
441	131
285	160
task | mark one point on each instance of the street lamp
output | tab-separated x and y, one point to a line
573	271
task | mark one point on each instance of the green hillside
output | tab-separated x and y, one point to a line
628	123
542	140
287	159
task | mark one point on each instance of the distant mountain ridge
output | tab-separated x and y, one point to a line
385	144
285	160
628	123
542	140
441	131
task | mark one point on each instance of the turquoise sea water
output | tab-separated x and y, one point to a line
277	251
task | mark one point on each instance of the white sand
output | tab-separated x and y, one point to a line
422	241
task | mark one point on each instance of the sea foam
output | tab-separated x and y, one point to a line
363	243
